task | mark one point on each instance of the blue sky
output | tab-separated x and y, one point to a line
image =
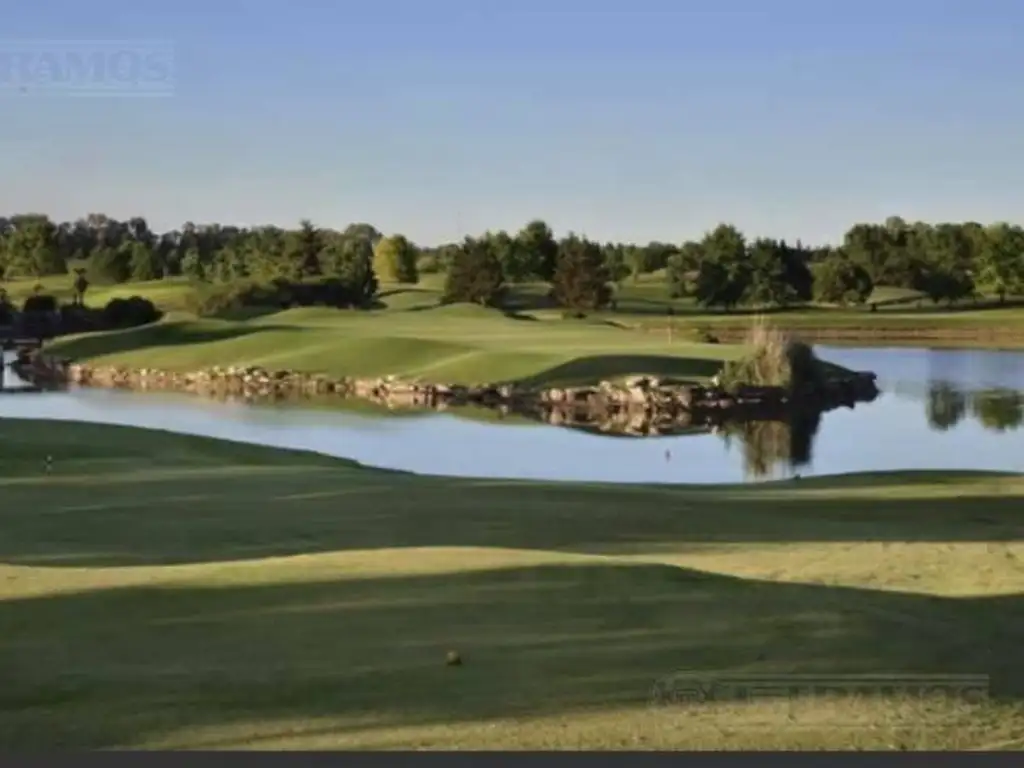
624	120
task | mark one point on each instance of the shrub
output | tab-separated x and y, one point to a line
774	360
76	318
41	303
209	300
215	299
129	313
7	310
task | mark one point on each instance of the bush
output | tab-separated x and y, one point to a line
210	300
42	303
775	360
130	312
80	319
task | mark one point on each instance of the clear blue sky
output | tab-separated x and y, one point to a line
632	120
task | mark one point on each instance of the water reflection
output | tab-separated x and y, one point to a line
945	406
940	409
774	448
998	410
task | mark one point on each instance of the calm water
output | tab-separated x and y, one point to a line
940	409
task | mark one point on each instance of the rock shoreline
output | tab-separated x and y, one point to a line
640	400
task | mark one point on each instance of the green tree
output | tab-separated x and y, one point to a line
110	265
1000	260
724	275
615	261
841	280
778	274
682	269
516	264
143	264
302	251
475	275
192	265
350	260
539	250
581	278
637	261
394	260
31	247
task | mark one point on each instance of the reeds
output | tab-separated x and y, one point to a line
775	360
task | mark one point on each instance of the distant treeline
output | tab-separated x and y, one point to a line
946	262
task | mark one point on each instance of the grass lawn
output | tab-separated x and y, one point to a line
161	591
456	344
411	335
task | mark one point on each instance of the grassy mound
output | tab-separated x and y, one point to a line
165	591
454	344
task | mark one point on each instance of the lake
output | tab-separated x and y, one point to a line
939	409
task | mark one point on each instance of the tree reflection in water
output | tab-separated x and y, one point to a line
997	410
777	447
772	445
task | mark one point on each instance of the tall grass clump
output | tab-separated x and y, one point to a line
775	360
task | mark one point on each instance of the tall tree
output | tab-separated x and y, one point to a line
539	249
302	251
841	280
725	273
350	261
581	277
394	260
475	275
1000	260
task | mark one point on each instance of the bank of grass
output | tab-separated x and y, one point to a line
162	591
453	344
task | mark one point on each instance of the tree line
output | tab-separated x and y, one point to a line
948	262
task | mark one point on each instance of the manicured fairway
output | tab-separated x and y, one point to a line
164	591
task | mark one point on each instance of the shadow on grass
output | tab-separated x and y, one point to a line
517	315
218	508
247	313
136	664
172	334
924	306
592	369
